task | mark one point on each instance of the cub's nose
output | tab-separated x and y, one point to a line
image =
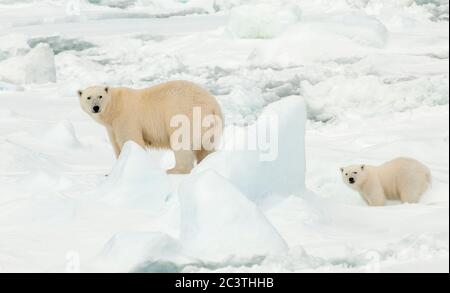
95	109
351	180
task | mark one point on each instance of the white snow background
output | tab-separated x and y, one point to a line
352	80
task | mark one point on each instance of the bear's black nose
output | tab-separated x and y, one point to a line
95	109
351	180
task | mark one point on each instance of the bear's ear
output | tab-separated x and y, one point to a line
362	167
341	169
80	92
106	89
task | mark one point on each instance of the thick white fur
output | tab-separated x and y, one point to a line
144	115
402	179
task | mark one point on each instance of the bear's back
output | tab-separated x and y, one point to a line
400	173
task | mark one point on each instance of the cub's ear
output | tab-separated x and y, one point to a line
80	92
341	169
106	89
362	167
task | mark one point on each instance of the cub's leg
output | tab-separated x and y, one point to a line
184	162
410	194
200	155
374	195
376	200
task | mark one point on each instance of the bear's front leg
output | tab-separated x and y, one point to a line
114	143
184	162
125	132
373	193
376	200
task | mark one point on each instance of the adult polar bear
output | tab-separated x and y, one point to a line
151	117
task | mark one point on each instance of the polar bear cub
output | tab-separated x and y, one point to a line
153	117
402	179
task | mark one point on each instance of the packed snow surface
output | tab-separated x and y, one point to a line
344	81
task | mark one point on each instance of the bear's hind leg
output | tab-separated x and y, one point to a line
184	162
410	195
200	155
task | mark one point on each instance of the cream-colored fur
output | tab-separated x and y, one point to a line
400	179
144	116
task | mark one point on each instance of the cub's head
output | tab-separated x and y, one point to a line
354	175
94	99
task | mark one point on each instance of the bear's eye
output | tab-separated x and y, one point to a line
355	172
88	98
100	97
346	174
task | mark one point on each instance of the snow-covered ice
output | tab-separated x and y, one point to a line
62	134
134	250
266	159
223	224
261	21
135	181
349	81
38	66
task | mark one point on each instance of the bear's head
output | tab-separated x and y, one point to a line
354	175
94	99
